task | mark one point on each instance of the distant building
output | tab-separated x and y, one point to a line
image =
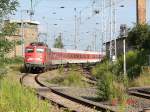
119	47
30	32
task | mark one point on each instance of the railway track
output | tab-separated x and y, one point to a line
62	100
140	92
88	76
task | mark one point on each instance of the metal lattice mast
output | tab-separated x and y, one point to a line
31	10
110	14
114	27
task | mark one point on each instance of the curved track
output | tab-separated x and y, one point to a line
59	98
143	92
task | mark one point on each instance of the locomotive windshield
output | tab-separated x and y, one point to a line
29	50
39	50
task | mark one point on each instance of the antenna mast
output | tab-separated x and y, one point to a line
31	11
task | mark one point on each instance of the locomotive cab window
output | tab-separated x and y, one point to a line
29	50
39	50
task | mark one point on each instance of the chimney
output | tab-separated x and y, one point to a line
141	11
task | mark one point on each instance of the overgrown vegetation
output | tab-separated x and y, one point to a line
15	98
111	83
142	80
109	88
7	29
139	37
70	77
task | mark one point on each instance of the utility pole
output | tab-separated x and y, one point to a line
31	11
123	34
102	24
110	14
114	28
95	41
124	56
75	30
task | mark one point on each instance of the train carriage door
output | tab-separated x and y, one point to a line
46	53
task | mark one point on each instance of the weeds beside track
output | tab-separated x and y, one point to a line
49	93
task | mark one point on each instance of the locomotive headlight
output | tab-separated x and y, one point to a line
30	59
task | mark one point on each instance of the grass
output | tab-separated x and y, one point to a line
72	78
15	98
8	61
142	80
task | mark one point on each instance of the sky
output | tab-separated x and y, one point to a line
55	20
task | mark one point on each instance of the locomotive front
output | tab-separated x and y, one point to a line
35	56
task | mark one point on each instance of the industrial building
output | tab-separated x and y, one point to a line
27	32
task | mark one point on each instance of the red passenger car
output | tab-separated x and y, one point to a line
39	56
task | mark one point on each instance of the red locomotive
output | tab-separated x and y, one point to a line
39	56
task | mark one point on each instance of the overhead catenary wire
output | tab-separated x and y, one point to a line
107	5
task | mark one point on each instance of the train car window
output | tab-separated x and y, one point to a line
69	56
39	50
81	56
29	50
77	55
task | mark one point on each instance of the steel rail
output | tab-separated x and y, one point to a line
140	92
99	107
41	96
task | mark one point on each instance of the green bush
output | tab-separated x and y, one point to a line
6	61
100	69
134	61
104	86
15	60
108	88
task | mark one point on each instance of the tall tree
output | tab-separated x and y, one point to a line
58	42
139	37
8	7
6	45
8	29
